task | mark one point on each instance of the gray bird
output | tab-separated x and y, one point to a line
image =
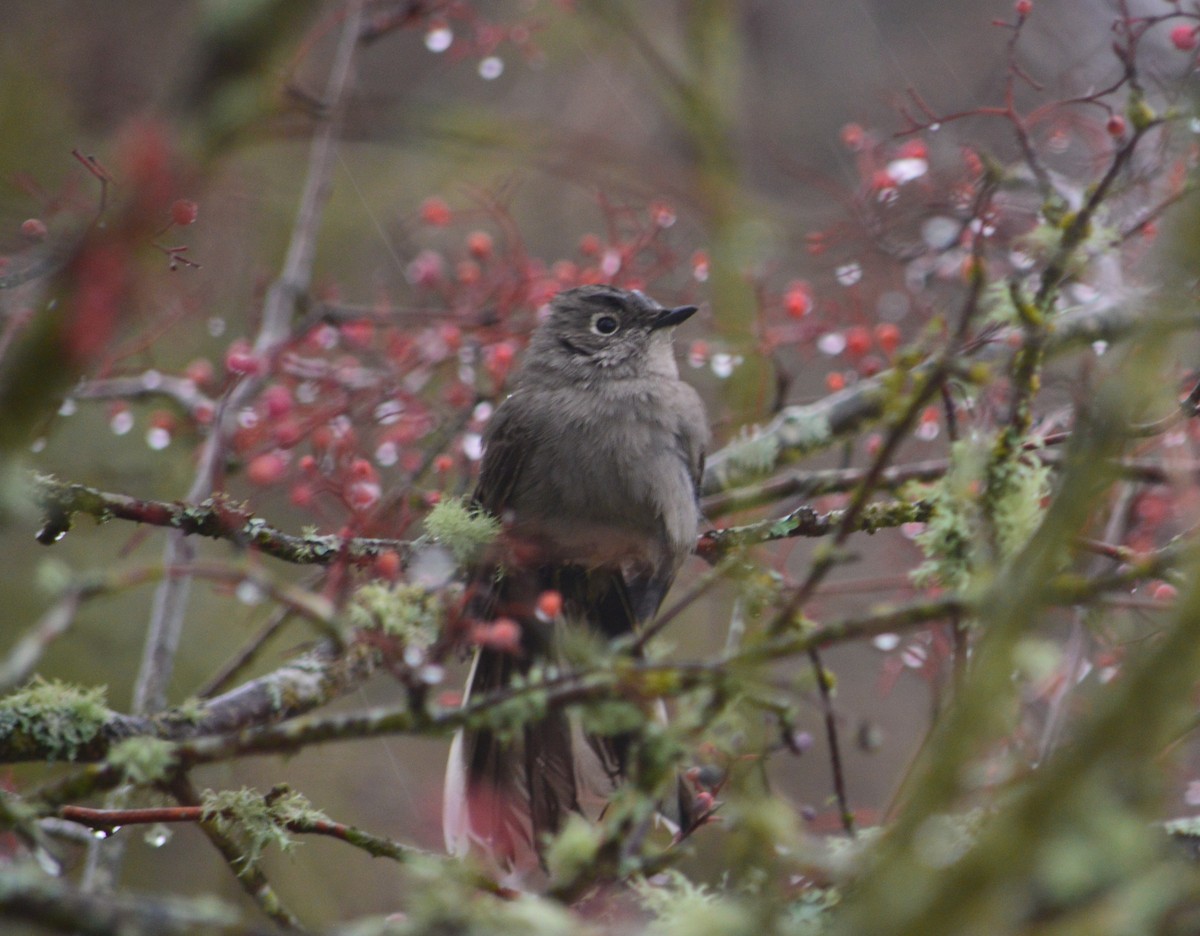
593	465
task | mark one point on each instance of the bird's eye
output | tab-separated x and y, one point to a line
605	324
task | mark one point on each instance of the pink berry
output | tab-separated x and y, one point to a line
1183	37
265	469
33	230
183	212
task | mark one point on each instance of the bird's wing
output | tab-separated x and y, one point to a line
507	442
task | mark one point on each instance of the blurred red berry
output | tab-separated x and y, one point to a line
589	245
33	230
549	605
387	565
443	464
183	212
835	380
1115	126
888	336
1164	591
435	211
277	401
301	495
882	180
240	359
359	333
1183	37
1023	7
468	272
858	341
363	470
363	495
503	635
913	149
266	469
199	371
663	214
479	244
287	433
204	412
853	136
798	300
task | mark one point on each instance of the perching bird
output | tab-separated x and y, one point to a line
593	465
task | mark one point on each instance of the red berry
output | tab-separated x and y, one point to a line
363	470
1024	8
1183	37
503	634
881	181
858	341
888	336
240	359
359	333
183	212
853	136
589	245
277	401
363	495
265	469
798	300
435	211
913	149
1115	125
387	565
199	371
479	243
549	605
835	381
301	495
33	230
1162	591
468	272
442	464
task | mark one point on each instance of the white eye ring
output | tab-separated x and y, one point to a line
605	324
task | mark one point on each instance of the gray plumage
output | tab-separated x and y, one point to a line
593	463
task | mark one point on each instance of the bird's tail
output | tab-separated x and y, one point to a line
508	790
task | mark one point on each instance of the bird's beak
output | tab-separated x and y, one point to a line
669	318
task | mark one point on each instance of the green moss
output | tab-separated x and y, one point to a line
573	850
256	821
445	898
407	612
143	760
964	506
681	908
55	718
462	529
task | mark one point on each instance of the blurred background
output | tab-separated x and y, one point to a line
541	132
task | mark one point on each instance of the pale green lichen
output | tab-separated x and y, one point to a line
755	454
573	850
805	428
464	530
256	821
143	760
409	613
53	718
444	897
957	531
